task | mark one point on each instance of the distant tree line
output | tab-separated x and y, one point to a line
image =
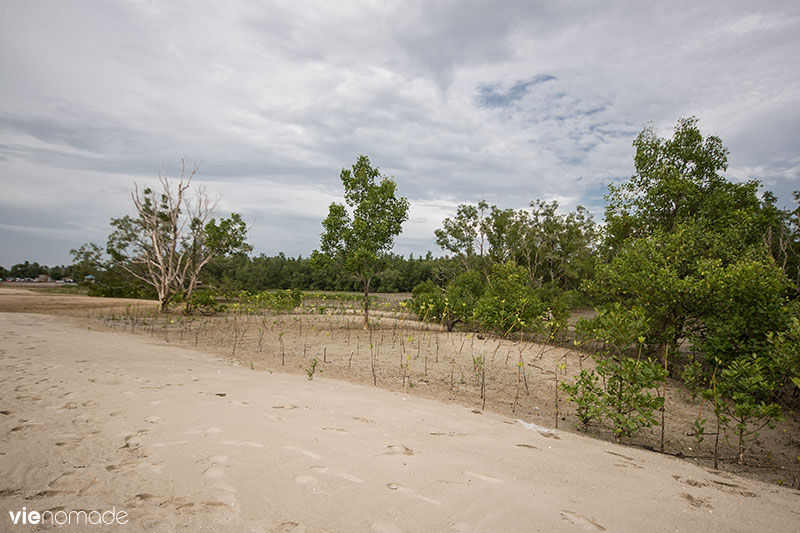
28	270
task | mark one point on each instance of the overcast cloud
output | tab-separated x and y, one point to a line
459	101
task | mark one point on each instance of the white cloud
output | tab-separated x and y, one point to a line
276	98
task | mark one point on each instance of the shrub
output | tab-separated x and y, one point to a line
508	302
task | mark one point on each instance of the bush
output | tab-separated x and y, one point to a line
463	294
428	301
205	302
587	395
508	303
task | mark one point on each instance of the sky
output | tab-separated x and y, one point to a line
457	101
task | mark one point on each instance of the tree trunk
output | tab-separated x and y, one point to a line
366	304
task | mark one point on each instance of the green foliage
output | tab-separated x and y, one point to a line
747	389
463	294
554	248
624	400
508	303
312	369
206	302
360	242
784	356
286	300
693	377
687	247
626	403
228	237
623	392
464	233
236	273
678	180
740	304
428	301
617	328
587	395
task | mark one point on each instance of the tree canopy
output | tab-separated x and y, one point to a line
359	240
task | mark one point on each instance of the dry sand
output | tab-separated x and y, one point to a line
181	440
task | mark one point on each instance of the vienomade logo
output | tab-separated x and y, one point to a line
61	518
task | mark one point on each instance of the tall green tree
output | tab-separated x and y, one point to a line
464	235
359	240
679	180
676	226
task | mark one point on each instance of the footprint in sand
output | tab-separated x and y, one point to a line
305	480
695	502
337	473
304	452
135	439
627	461
44	494
399	449
408	492
581	521
247	443
338	430
170	443
215	470
206	432
484	477
291	527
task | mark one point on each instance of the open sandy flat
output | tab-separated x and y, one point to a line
183	441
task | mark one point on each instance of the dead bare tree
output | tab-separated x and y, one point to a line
173	236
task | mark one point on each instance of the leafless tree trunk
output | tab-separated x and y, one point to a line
169	245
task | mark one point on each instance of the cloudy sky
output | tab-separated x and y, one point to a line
458	101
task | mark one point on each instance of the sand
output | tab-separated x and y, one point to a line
181	440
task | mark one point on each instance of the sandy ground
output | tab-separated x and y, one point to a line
181	440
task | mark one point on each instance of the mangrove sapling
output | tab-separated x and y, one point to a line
746	389
261	330
626	404
372	364
183	330
483	382
310	370
477	367
663	405
239	327
519	379
462	344
563	368
587	395
521	365
406	370
494	353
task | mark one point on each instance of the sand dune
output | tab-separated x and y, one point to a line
182	441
